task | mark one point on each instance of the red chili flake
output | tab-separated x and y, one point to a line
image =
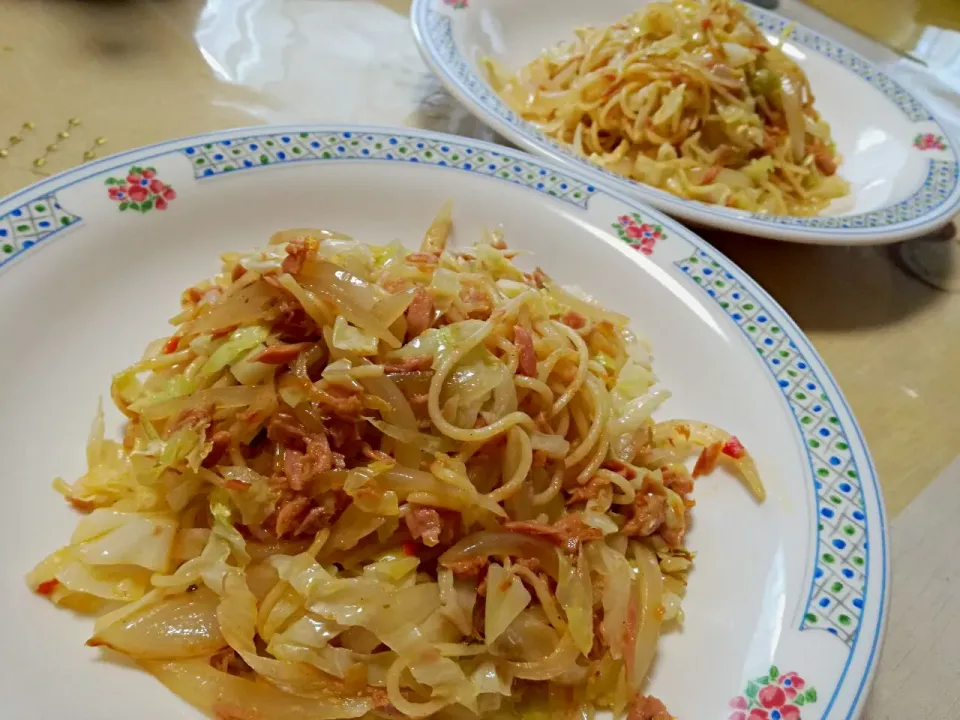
236	485
47	587
734	448
171	345
410	548
705	23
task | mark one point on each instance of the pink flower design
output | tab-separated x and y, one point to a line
771	696
929	141
632	228
791	680
456	4
140	189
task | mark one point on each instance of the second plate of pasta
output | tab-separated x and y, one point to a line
719	114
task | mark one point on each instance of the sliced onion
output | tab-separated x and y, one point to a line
793	111
318	310
414	437
435	239
587	309
240	308
617	586
400	415
217	694
406	482
353	297
528	638
182	626
485	544
637	412
738	55
554	446
699	435
644	616
227	397
562	659
283	237
409	707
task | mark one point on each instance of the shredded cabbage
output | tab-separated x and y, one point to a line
575	594
351	339
506	599
359	481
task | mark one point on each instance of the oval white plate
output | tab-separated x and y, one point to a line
902	168
87	279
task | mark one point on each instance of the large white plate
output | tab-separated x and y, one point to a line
798	583
901	166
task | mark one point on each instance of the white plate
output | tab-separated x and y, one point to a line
85	284
902	168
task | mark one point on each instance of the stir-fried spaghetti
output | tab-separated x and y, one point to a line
359	480
690	97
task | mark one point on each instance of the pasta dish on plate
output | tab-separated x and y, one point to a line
363	481
689	97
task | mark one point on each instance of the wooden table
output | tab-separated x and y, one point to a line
136	72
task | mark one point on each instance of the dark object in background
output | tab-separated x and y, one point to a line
765	4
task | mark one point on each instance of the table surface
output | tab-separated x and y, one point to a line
141	71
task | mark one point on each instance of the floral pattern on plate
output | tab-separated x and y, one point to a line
929	141
141	190
638	234
773	697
